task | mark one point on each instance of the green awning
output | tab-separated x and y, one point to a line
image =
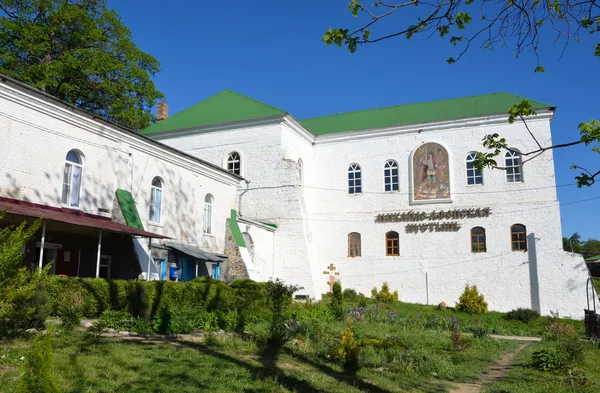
129	209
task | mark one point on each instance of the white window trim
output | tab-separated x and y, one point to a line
520	166
81	166
391	182
467	160
359	171
212	215
227	161
160	222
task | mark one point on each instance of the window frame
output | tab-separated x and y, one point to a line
477	174
65	198
518	241
208	219
356	171
479	242
354	245
392	247
512	155
105	265
152	205
232	161
388	179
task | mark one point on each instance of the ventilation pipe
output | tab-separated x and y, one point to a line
241	195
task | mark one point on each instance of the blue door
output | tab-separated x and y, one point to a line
216	271
163	267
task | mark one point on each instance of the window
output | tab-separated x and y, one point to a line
392	244
354	244
72	179
249	242
354	180
478	239
208	214
104	266
301	171
234	163
512	162
156	191
474	175
390	175
518	237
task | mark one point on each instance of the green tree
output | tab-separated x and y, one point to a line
22	301
573	243
490	24
38	368
80	52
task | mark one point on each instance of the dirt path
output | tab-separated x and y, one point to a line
494	373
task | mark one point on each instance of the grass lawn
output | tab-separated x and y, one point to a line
84	363
524	379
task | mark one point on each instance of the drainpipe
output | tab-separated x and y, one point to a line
241	195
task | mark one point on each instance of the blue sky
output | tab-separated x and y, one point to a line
271	50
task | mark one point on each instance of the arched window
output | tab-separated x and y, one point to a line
71	189
390	175
354	179
392	244
474	175
208	214
234	163
354	244
301	171
249	242
518	237
514	169
478	239
156	191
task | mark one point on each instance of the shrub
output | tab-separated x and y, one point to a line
559	331
384	296
38	368
113	319
69	310
524	315
572	348
280	298
139	302
546	360
362	300
471	301
479	330
22	289
347	351
350	294
337	301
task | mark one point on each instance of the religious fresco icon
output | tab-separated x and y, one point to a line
431	173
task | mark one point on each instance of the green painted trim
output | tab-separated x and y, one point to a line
269	225
129	209
235	229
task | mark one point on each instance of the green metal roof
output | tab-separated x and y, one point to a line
424	112
129	210
226	106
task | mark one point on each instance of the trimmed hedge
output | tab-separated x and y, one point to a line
145	299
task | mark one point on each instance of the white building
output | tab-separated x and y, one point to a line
389	195
104	191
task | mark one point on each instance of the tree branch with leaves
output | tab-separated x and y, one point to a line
491	24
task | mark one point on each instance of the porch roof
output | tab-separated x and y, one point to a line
70	216
196	252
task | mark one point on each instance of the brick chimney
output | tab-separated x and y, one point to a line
163	111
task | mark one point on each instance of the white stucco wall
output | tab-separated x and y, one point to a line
36	134
315	215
